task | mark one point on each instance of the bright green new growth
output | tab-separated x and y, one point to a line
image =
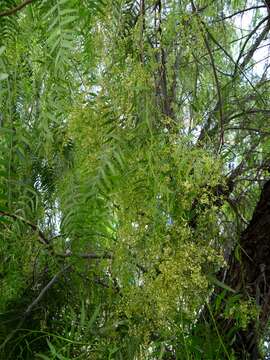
123	125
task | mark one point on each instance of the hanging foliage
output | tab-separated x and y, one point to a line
134	179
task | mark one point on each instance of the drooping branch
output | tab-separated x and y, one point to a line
16	8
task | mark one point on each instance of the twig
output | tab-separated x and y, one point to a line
249	112
42	238
248	129
16	8
240	12
44	290
88	256
241	167
233	205
237	66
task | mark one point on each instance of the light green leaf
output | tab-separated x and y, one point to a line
2	49
3	76
215	281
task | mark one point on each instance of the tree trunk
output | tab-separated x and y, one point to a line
250	277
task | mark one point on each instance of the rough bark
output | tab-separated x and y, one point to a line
250	277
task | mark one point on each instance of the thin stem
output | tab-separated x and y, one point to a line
41	235
241	12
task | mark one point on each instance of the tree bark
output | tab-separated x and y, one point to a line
250	277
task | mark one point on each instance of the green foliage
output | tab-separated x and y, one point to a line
124	179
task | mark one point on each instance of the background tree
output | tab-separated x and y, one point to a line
134	204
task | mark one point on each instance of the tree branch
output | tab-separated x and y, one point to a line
43	239
248	129
255	45
241	12
249	112
16	8
34	303
240	169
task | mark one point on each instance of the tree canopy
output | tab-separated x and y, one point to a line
134	179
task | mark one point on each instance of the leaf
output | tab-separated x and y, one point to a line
94	317
4	219
52	348
3	76
51	11
215	281
68	11
69	20
61	357
2	49
44	357
82	319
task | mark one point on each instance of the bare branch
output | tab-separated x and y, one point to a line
254	47
44	290
241	12
236	63
16	8
34	303
249	112
240	169
249	129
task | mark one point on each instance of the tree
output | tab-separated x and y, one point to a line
134	204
